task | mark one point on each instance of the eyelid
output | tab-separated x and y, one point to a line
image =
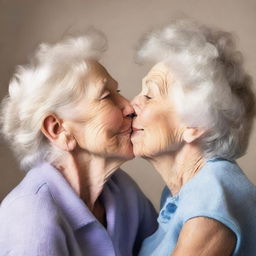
147	96
146	92
105	95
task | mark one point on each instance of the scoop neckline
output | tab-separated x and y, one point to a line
214	159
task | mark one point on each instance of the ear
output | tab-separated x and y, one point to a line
53	129
191	134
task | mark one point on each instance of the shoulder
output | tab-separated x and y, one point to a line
215	179
217	192
29	220
21	209
210	190
31	191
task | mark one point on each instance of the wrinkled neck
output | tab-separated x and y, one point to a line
177	168
87	174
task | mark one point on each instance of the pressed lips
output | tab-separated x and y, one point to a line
135	130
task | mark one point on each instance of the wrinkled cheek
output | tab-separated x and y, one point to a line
101	136
155	142
97	137
158	141
112	120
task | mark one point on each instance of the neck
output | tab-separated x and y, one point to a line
177	168
87	175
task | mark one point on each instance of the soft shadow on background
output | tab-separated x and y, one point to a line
26	23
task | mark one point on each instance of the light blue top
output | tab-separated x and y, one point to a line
43	216
221	191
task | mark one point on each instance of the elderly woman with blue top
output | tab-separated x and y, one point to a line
194	117
70	128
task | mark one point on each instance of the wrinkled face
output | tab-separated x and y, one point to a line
102	123
156	129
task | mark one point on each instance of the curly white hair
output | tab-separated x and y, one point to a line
212	89
50	83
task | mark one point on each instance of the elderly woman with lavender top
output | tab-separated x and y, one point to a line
70	128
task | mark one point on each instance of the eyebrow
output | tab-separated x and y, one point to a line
161	84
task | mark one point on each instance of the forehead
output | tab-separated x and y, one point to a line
96	70
97	76
160	69
159	75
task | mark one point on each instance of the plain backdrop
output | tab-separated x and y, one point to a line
26	23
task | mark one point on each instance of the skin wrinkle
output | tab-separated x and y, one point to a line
159	79
173	150
156	110
93	138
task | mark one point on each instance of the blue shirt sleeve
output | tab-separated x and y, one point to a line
210	195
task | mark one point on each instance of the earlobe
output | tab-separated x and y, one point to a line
191	134
53	129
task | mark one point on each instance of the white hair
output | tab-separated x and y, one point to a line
50	83
212	90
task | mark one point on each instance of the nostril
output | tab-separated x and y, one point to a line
132	115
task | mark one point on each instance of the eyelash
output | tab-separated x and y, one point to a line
105	97
147	97
108	95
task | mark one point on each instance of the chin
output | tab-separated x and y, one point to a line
124	153
138	150
145	151
128	153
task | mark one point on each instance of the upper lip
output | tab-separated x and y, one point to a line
137	129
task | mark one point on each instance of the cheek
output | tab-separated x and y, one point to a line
100	132
106	123
111	121
148	116
154	139
160	134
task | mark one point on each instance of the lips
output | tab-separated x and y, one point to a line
137	129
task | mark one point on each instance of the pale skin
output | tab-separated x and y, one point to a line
96	139
171	147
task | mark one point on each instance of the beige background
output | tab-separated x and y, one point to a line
25	23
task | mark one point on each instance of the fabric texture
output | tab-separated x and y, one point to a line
43	216
221	191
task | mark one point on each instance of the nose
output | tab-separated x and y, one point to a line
127	108
135	104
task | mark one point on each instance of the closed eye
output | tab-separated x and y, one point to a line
147	97
105	96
